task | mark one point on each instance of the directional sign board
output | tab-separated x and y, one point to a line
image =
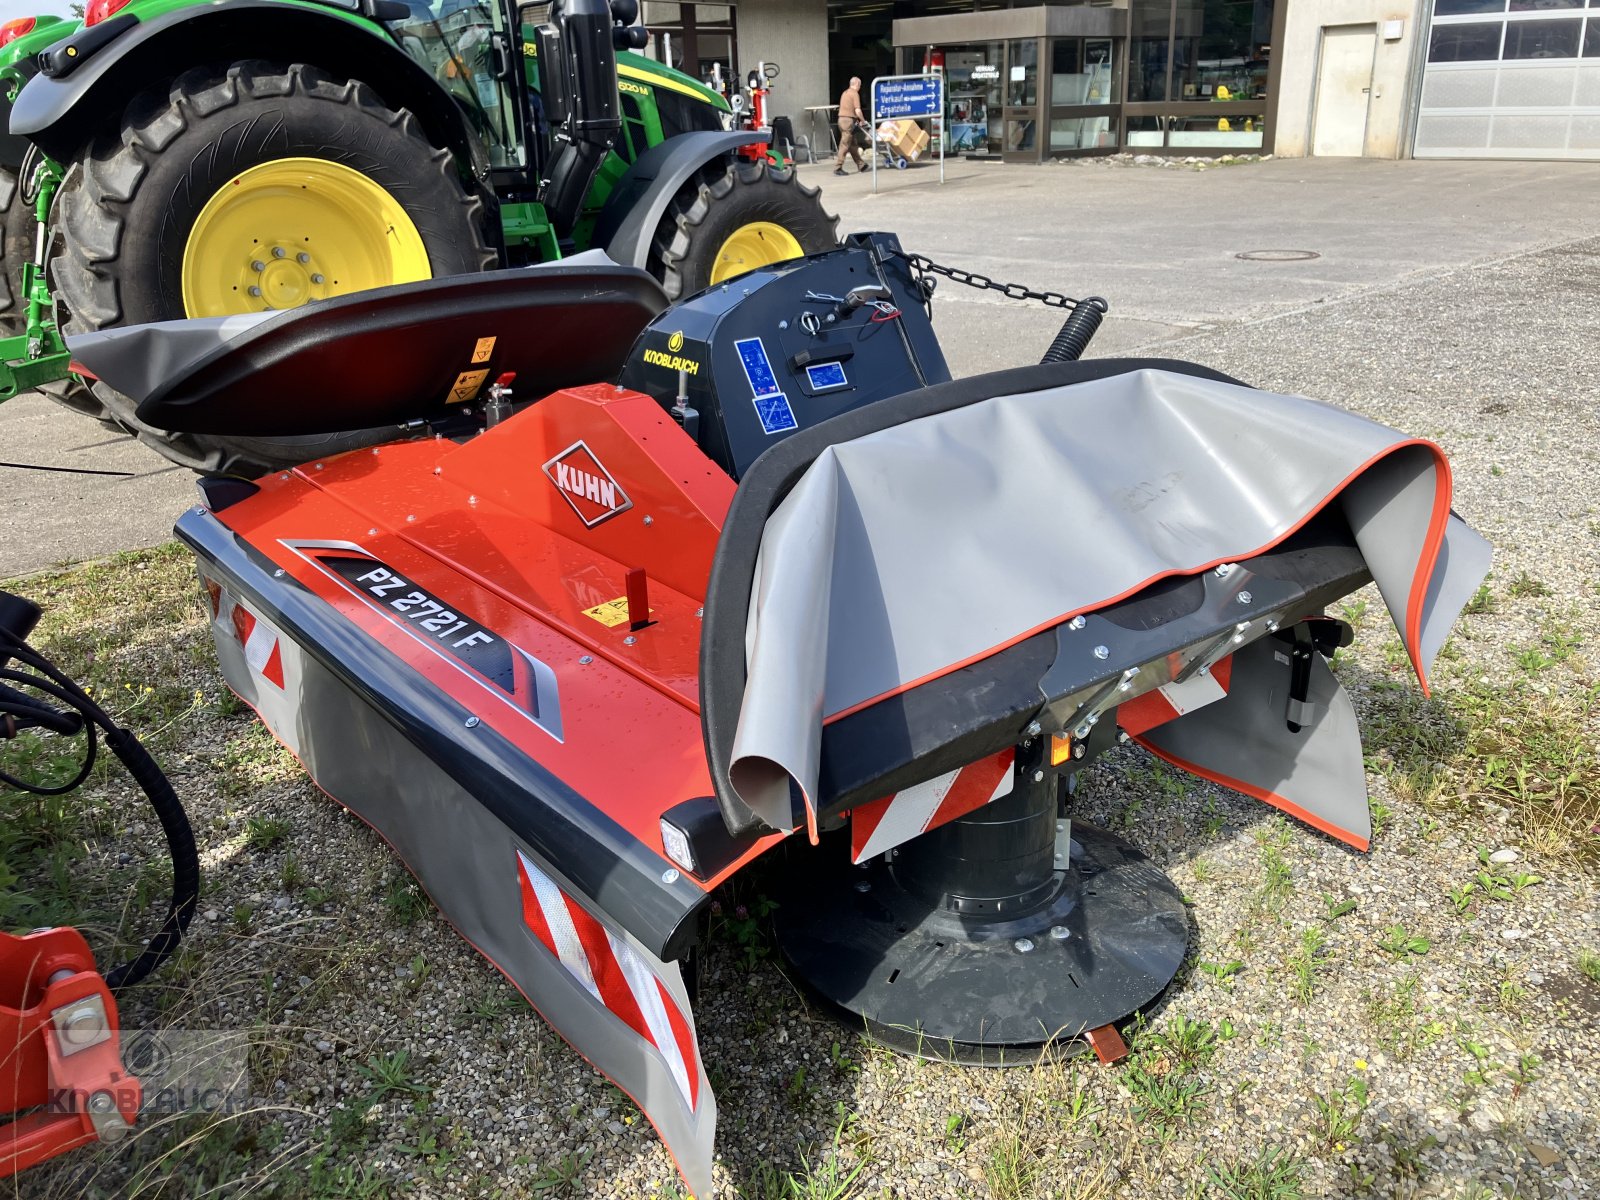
896	96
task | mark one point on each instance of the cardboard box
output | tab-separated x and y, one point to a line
905	137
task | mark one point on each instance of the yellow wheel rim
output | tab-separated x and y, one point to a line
298	229
758	244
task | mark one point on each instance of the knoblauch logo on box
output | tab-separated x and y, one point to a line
586	485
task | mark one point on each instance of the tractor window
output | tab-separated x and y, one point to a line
455	41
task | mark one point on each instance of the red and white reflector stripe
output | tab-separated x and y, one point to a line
1172	700
884	824
611	971
260	642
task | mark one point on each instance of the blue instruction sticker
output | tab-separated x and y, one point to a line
825	377
757	367
775	413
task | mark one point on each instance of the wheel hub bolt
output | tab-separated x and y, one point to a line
303	257
255	291
316	279
258	265
279	252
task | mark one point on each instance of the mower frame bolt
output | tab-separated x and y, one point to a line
863	885
585	659
1272	627
1245	597
102	1102
699	614
1060	932
670	875
1124	737
1102	652
1077	622
1034	729
629	640
82	1027
1023	945
472	722
1223	571
1079	750
1038	776
649	520
278	574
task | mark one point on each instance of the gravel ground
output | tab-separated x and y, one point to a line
1294	1047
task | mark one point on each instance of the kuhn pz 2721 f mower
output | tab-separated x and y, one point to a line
693	580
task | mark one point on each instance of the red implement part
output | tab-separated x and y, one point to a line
58	1023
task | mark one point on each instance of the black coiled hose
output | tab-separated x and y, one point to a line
19	711
1077	330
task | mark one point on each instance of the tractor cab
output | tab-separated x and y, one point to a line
468	47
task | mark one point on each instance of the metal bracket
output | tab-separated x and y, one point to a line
1099	664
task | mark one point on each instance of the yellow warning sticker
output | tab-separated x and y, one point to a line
466	386
484	348
610	614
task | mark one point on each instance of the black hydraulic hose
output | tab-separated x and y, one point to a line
22	710
185	858
1076	330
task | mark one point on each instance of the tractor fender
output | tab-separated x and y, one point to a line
60	115
628	221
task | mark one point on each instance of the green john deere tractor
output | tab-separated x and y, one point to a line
238	156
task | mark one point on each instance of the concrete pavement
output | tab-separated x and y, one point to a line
1161	244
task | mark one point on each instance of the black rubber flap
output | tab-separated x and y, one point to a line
391	355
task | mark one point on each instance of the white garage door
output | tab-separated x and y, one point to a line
1511	79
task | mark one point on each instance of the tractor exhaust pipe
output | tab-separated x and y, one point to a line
578	87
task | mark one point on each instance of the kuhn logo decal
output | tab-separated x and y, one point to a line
586	485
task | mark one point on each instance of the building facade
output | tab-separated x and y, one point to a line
1027	81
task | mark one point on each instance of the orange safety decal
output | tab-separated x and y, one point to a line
1172	700
260	642
612	972
885	824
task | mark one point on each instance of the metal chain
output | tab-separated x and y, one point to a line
1012	291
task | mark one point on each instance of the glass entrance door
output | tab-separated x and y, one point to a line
1021	140
974	96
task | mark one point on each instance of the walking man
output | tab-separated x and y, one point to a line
849	113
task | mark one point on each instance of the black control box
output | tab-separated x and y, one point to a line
745	363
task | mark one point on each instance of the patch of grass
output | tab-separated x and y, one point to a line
1222	973
392	1073
404	900
1304	961
1163	1096
560	1178
1339	1113
1526	587
1012	1166
1535	754
1336	908
1398	1022
263	833
1482	601
1272	1174
1589	965
1398	942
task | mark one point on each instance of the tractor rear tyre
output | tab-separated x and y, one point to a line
261	187
16	248
737	216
